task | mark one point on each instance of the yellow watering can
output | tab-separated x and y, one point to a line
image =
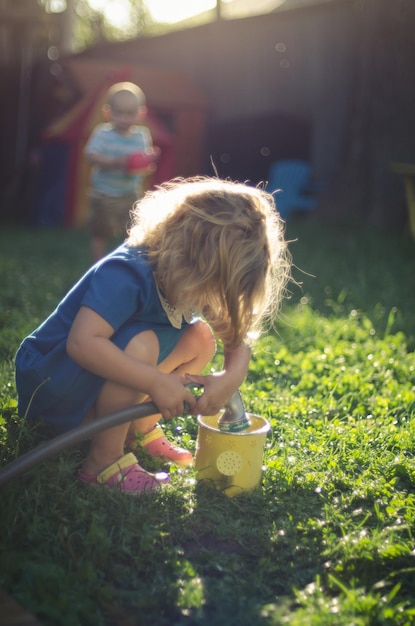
230	461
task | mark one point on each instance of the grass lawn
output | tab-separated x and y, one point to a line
328	538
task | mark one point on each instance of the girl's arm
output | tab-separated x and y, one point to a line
95	158
89	345
220	387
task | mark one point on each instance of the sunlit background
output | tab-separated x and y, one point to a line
117	20
167	11
119	12
253	64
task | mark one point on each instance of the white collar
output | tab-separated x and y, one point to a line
174	314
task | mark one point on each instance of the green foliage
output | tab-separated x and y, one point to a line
116	22
328	539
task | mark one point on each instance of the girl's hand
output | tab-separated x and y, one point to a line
218	389
169	393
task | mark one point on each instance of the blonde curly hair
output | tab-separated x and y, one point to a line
218	247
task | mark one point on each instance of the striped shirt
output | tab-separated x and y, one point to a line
105	140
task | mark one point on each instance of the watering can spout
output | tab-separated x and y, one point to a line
234	418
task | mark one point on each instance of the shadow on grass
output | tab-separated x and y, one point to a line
187	555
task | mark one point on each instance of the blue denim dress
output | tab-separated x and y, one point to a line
121	289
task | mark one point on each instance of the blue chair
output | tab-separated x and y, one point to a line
289	181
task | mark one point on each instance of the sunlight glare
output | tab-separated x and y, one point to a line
169	11
117	12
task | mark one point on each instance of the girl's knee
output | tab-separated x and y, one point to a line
144	347
203	338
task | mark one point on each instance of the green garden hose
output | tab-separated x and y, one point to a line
72	437
234	411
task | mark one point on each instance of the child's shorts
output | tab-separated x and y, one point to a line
109	217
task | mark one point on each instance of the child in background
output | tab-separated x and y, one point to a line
204	258
114	150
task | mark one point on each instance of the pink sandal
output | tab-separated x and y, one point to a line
127	476
156	444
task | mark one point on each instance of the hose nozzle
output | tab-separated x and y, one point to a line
234	418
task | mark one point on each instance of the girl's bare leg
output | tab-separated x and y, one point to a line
192	353
108	446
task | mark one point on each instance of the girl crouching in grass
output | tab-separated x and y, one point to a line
204	259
